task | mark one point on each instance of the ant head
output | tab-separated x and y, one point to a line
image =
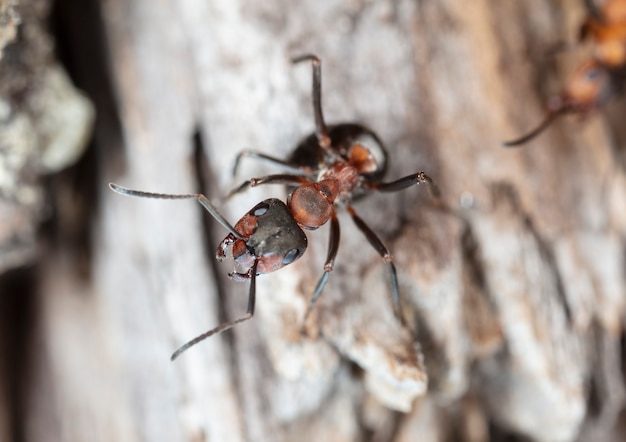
591	86
270	235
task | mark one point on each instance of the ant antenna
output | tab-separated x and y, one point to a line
533	133
166	196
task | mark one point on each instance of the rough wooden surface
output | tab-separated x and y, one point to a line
45	124
514	283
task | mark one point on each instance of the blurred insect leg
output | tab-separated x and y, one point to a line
285	179
375	242
562	47
226	325
408	181
333	246
321	131
533	133
203	200
283	164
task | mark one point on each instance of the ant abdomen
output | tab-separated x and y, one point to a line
343	138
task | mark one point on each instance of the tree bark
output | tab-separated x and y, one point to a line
512	284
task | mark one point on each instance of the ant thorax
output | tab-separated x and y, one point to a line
344	178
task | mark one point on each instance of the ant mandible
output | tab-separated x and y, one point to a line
601	78
329	168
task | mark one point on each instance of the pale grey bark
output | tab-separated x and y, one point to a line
45	124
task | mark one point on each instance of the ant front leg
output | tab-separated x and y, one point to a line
407	181
375	242
283	164
333	247
226	325
285	179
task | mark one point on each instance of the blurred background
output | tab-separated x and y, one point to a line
513	285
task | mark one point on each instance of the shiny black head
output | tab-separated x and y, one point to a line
276	233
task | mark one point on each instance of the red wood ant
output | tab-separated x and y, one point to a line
328	169
591	87
596	81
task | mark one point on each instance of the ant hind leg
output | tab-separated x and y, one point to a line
375	242
333	247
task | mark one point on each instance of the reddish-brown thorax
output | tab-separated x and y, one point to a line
312	204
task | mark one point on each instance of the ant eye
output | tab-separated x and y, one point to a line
593	74
291	256
260	209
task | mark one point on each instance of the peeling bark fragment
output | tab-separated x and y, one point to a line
45	124
543	361
9	21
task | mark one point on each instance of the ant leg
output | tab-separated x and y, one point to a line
333	246
533	133
286	179
226	325
285	165
408	181
321	131
387	258
203	200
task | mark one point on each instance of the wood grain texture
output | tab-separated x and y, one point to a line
513	284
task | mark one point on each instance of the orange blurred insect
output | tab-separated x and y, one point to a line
598	80
606	27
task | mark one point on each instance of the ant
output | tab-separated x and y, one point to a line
328	169
598	80
591	86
